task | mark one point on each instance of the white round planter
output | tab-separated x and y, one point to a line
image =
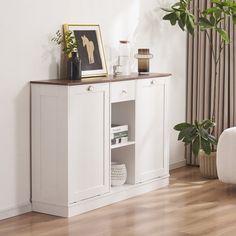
118	173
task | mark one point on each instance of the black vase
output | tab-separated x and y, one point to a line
74	67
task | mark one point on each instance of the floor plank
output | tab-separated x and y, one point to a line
189	206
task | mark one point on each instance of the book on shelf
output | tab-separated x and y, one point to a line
119	134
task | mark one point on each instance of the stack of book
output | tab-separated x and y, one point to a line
119	134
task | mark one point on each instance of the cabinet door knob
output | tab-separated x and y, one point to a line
90	88
124	91
153	82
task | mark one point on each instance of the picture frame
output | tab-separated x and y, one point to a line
90	49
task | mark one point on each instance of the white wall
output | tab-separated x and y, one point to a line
168	44
26	53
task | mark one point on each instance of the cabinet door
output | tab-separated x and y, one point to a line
88	141
151	149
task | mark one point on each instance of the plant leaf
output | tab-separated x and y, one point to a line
204	134
187	133
167	9
190	24
206	146
182	126
196	146
205	23
207	124
212	139
234	19
223	34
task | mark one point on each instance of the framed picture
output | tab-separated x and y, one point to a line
90	49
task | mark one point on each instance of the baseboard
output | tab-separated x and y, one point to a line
86	205
114	196
177	164
117	196
15	211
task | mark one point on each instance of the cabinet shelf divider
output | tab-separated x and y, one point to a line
122	144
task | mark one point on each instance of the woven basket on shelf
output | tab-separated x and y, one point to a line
118	173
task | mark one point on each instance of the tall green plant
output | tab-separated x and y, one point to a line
214	18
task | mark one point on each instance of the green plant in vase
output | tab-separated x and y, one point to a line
70	45
198	135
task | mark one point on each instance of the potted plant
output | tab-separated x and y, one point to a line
203	142
212	19
70	47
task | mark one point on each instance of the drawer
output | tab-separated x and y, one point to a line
122	91
88	88
153	81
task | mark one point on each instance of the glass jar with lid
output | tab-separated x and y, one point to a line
124	57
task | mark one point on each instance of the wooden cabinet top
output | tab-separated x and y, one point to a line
105	79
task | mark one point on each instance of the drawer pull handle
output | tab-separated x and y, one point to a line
124	91
90	88
153	82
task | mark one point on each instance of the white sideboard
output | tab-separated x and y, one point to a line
71	147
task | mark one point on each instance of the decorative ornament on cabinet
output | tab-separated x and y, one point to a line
143	57
123	63
124	57
118	173
74	67
69	47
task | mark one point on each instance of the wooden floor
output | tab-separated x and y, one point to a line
191	205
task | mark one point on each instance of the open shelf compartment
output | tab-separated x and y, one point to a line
123	113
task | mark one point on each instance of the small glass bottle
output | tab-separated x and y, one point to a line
124	57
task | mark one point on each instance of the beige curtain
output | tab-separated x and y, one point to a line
201	79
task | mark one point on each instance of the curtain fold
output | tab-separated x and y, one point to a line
201	79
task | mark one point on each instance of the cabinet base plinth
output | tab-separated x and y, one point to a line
100	201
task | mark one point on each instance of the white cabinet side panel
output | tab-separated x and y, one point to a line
49	144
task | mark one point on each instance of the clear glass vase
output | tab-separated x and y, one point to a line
124	57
